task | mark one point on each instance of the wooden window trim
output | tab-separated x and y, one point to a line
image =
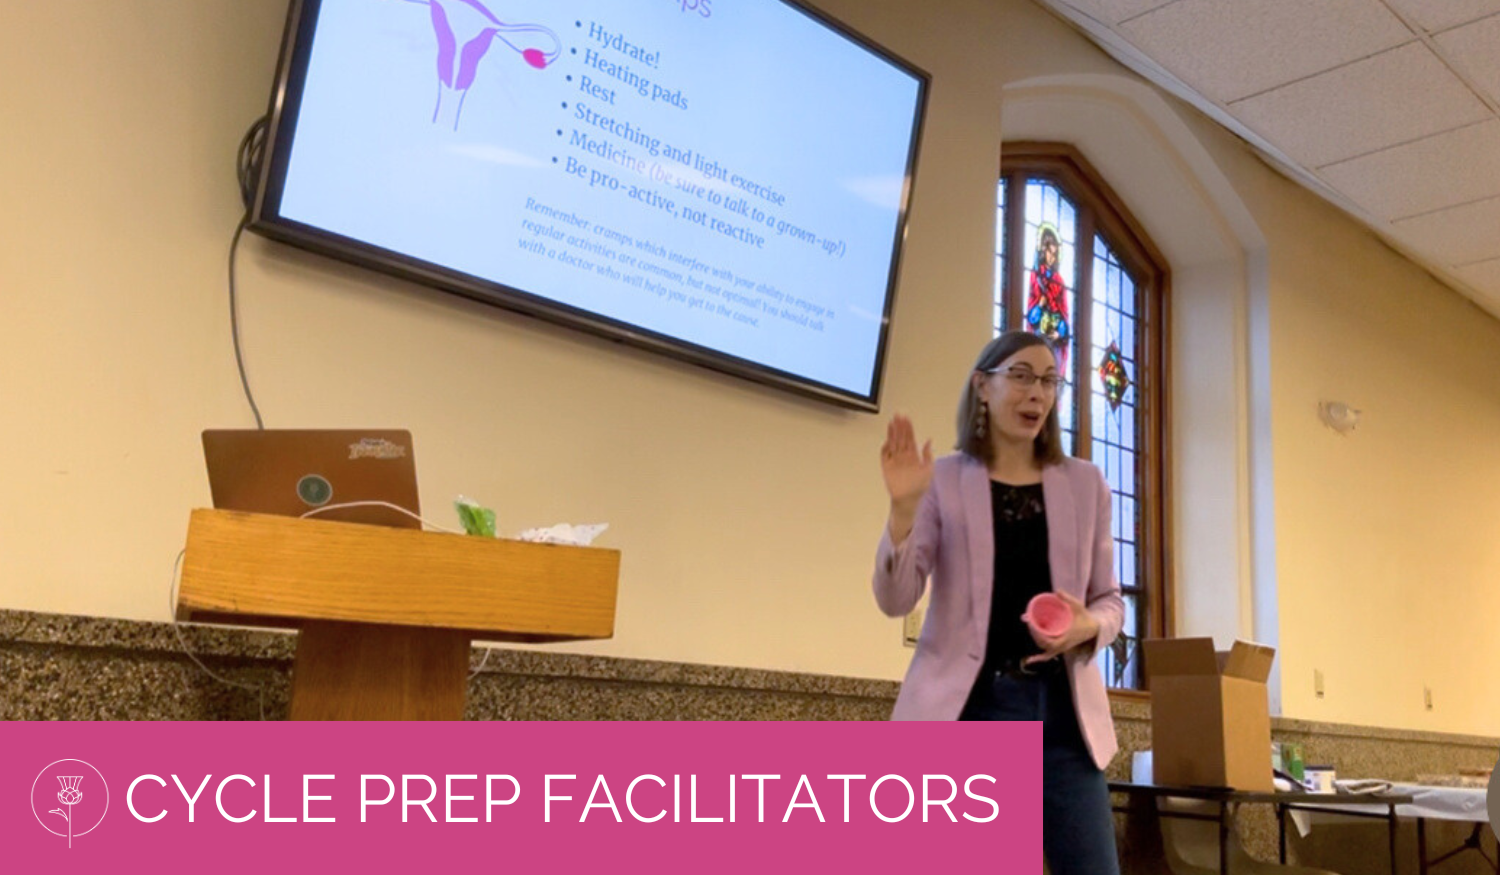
1101	210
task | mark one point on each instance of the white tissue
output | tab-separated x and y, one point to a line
564	533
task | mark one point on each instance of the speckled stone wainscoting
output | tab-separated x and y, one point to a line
56	667
75	668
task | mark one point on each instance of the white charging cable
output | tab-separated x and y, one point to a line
172	606
479	668
396	507
428	523
260	691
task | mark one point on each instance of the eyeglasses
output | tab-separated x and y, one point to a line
1025	378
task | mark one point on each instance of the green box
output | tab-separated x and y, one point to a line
1292	758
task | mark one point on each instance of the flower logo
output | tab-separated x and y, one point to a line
69	796
82	792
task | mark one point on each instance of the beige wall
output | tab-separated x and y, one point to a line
747	518
1386	548
1389	539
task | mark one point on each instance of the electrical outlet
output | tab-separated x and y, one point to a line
1318	683
1427	697
911	628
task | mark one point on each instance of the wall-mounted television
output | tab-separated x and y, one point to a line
725	181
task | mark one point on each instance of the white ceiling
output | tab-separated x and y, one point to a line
1388	108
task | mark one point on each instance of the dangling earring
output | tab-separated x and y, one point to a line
982	421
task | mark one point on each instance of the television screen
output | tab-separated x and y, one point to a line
722	180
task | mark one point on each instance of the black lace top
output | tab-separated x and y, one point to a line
1021	568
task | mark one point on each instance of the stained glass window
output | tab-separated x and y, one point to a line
1051	234
1113	374
1095	298
1116	437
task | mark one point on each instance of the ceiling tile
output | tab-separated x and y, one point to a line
1395	97
1476	50
1451	168
1484	276
1228	51
1116	11
1436	15
1461	235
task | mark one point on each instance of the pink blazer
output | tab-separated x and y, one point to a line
952	540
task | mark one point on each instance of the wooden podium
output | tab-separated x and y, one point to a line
386	615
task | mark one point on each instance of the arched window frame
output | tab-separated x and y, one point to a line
1100	211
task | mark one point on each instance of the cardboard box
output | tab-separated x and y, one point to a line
1210	721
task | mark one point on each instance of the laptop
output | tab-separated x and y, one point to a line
293	471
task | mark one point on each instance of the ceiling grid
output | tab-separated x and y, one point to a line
1388	108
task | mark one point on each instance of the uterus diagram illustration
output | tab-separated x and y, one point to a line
466	30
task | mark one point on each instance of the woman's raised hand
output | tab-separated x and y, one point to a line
907	471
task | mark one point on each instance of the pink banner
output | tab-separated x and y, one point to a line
564	797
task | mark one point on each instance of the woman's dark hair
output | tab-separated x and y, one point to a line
1048	446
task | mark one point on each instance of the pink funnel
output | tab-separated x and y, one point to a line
1048	615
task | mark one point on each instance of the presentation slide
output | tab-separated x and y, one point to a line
728	173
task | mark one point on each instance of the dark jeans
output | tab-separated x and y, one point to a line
1078	829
